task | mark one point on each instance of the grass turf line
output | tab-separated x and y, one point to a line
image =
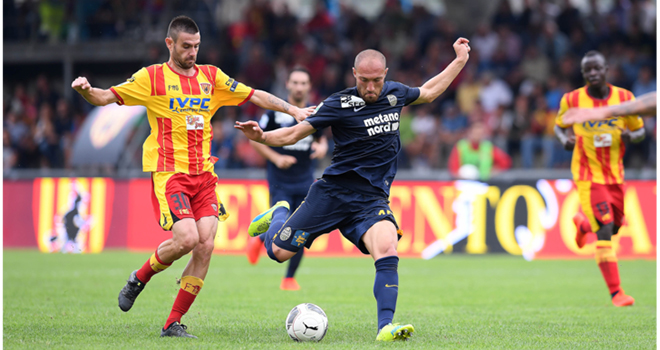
455	301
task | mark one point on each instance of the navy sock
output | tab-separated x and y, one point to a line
386	288
294	262
279	218
262	237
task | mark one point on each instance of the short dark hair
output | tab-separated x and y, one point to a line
299	68
181	24
593	53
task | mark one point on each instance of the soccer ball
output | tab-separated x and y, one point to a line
306	322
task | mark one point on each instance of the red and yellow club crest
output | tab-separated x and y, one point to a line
205	87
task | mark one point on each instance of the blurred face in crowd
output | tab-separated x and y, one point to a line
184	48
370	72
477	132
298	86
594	70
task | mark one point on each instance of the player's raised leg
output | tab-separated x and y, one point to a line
583	229
381	241
193	275
268	224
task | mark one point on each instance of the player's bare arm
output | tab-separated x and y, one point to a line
438	84
566	139
266	100
644	105
282	161
95	96
319	148
276	138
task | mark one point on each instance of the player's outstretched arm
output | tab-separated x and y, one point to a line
438	84
276	138
282	161
95	96
644	105
268	101
568	141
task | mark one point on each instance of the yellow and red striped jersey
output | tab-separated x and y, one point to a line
179	109
599	149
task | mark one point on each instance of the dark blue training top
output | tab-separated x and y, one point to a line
297	178
366	136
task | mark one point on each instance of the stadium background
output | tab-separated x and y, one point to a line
525	55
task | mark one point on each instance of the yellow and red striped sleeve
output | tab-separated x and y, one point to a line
136	90
228	91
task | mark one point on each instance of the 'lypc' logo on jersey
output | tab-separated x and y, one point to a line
188	104
382	123
598	123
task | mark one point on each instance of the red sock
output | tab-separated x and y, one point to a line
153	266
190	287
608	265
610	271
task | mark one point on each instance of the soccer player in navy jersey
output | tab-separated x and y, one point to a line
290	169
353	193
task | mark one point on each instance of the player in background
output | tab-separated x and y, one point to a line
644	105
597	165
353	194
181	97
290	168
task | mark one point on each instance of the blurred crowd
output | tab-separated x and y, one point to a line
520	65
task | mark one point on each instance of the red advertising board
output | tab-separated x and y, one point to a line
532	219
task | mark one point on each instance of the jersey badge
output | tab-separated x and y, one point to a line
348	101
286	233
205	87
194	122
392	100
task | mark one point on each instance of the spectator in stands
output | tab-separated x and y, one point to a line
8	152
494	92
476	158
644	83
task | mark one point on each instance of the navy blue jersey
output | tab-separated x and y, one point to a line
297	178
366	136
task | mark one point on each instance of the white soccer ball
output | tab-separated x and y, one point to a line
468	172
306	322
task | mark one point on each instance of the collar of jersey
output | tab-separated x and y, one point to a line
181	75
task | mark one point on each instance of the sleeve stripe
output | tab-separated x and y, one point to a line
152	73
121	100
575	99
622	96
247	98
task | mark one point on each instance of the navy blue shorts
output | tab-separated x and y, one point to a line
294	200
329	206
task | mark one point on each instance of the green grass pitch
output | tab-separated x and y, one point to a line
456	301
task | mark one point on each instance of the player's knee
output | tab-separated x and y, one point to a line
605	232
206	247
187	241
282	255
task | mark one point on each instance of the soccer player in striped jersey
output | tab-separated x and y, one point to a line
597	165
181	97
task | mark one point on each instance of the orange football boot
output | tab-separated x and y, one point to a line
581	220
621	299
253	250
289	283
